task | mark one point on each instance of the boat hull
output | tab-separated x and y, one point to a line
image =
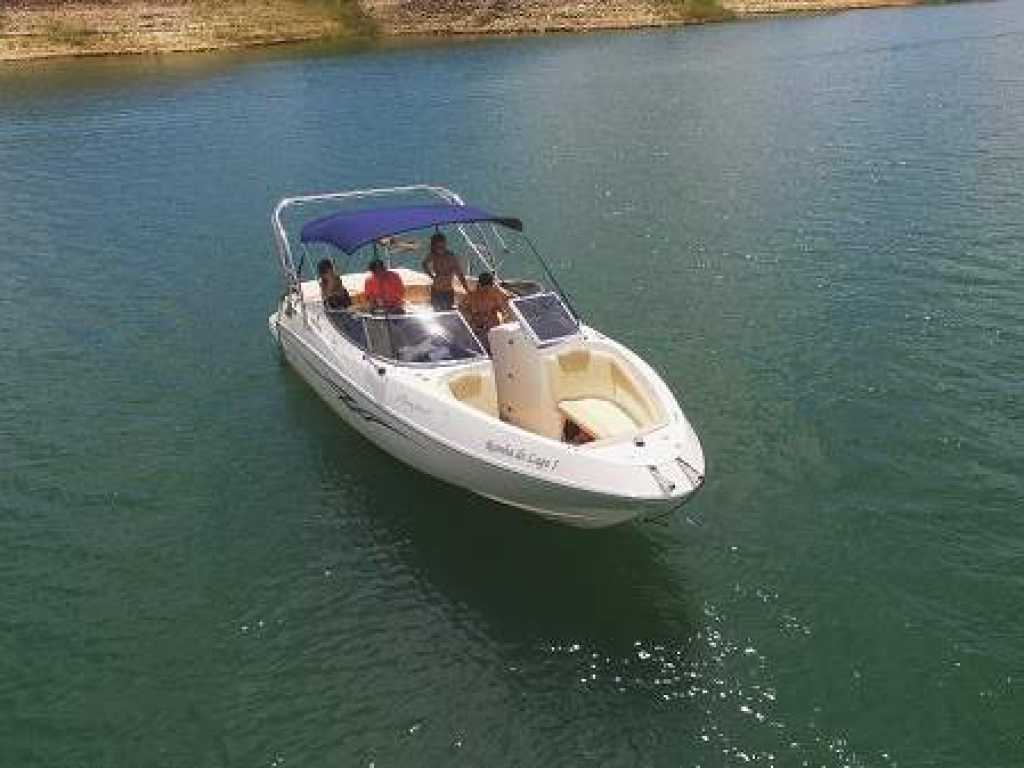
416	447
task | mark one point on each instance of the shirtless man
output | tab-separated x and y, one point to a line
443	267
485	307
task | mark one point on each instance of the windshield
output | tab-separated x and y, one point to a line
546	317
429	338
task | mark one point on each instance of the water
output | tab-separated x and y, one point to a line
813	227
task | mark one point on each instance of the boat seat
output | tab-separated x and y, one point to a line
475	390
417	288
415	295
586	375
540	389
598	417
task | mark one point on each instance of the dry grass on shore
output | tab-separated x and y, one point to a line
446	17
42	29
698	10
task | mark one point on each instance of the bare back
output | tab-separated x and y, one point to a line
445	268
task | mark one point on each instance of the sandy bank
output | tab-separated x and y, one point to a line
42	28
418	17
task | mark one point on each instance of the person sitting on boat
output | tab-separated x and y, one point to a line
331	288
485	307
442	266
384	289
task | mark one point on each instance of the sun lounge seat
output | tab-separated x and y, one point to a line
598	417
540	389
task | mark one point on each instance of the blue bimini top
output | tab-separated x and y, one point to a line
351	230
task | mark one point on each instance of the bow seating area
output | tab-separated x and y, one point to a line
540	390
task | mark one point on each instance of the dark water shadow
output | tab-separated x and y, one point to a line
526	578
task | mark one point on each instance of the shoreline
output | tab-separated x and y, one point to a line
45	29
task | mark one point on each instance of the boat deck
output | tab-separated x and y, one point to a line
417	289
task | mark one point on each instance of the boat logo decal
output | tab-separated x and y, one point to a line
353	405
367	415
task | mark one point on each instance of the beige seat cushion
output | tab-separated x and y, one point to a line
476	391
417	286
581	374
598	417
467	386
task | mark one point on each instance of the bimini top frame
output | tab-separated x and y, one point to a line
459	214
452	211
351	230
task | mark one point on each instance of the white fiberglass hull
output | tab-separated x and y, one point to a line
402	411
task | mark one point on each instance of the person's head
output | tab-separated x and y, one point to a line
438	243
485	279
325	269
377	266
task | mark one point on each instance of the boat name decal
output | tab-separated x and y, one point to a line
523	456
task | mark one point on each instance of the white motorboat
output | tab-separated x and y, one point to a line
542	413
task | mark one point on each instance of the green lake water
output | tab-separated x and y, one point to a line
813	227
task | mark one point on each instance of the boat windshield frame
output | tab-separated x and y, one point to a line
392	322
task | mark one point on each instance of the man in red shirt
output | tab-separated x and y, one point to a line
384	289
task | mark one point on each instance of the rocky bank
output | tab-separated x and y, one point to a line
44	28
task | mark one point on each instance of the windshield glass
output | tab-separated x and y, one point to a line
350	325
546	317
429	338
